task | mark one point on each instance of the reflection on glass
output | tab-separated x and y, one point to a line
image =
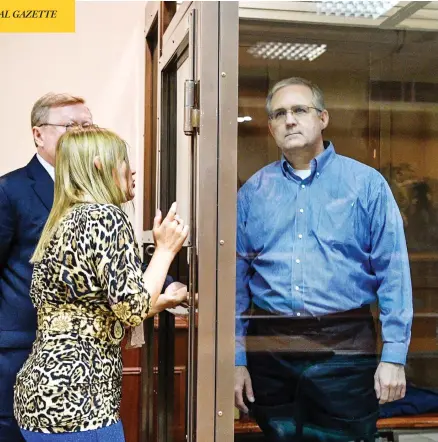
322	263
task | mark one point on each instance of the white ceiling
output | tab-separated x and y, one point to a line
425	18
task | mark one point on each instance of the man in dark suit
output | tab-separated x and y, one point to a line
26	197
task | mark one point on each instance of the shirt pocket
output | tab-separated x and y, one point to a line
338	221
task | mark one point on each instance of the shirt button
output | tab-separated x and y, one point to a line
300	236
297	288
297	261
303	186
298	314
301	210
317	173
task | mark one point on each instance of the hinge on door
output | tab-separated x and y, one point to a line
191	107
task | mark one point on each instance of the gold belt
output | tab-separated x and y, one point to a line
66	320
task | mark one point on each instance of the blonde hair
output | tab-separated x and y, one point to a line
78	180
41	108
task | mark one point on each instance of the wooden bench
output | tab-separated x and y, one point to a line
389	428
420	421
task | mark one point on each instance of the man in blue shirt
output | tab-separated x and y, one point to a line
320	238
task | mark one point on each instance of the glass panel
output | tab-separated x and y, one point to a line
320	241
409	162
173	324
183	147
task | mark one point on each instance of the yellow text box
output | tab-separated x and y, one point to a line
37	15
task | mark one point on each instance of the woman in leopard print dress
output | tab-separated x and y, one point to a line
87	286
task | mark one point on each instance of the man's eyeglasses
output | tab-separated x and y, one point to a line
298	111
69	126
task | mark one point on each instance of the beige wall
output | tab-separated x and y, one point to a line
103	61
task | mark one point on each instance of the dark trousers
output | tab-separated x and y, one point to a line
313	379
11	360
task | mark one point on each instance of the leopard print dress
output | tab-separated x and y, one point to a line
87	288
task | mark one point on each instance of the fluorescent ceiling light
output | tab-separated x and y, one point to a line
243	119
287	51
355	8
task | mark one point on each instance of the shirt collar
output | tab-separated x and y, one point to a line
50	169
316	165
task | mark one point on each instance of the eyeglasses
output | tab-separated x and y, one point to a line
69	126
298	111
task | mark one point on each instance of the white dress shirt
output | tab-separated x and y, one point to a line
50	169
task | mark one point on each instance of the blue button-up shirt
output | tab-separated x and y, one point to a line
330	243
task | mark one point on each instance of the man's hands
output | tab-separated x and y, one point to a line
389	382
242	382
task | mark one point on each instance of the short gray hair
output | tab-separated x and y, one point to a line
40	110
318	96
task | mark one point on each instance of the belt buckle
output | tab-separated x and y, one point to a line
61	324
116	332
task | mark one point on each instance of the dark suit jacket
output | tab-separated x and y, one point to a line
26	197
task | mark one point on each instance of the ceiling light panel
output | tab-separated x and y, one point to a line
287	51
243	119
367	9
